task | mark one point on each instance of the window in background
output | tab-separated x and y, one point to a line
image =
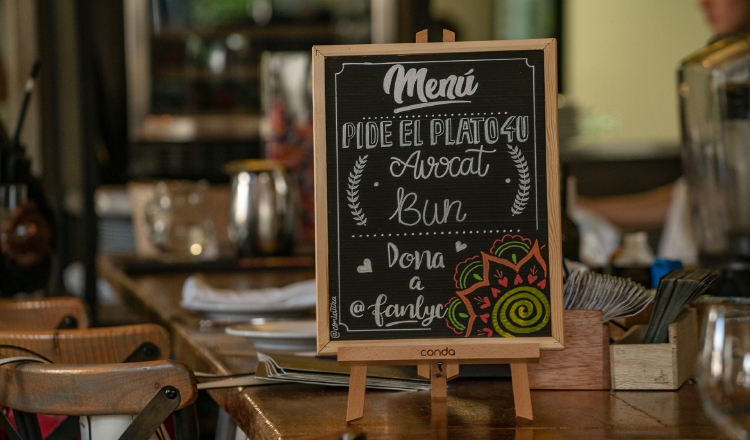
502	20
621	60
522	19
519	19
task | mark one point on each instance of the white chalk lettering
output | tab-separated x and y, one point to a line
407	215
441	166
406	260
417	312
476	130
366	134
428	91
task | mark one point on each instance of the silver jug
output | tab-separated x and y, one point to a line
263	210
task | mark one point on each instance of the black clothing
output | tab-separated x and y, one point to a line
15	278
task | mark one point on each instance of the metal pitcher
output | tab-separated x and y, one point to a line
264	208
714	93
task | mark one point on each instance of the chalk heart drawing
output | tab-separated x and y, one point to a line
460	246
366	266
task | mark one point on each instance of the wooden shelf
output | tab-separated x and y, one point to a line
273	31
244	73
198	127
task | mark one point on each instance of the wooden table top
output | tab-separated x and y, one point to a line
474	408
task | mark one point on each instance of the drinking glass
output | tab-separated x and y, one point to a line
178	220
724	368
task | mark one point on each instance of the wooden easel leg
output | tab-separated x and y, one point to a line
448	36
423	371
524	434
439	422
355	407
438	382
521	393
451	370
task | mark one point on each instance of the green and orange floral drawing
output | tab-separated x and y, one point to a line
501	293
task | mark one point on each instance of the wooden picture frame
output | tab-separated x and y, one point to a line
453	52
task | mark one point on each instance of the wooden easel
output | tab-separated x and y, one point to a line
448	36
441	367
438	368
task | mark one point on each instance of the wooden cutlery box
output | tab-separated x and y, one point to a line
637	366
584	364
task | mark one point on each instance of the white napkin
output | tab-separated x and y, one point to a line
635	251
196	292
599	237
677	241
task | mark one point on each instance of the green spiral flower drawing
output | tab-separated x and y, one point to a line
522	310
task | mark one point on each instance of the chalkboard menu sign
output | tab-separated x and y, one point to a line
437	194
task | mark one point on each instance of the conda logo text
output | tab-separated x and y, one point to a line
438	352
429	91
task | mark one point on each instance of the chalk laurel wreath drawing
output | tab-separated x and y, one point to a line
522	196
355	176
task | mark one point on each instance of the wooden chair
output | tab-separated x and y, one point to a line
153	390
103	345
43	314
106	345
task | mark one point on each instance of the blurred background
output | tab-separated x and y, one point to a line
135	91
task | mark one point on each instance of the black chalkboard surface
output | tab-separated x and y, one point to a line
437	196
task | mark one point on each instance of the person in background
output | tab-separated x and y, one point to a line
726	17
25	260
666	207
